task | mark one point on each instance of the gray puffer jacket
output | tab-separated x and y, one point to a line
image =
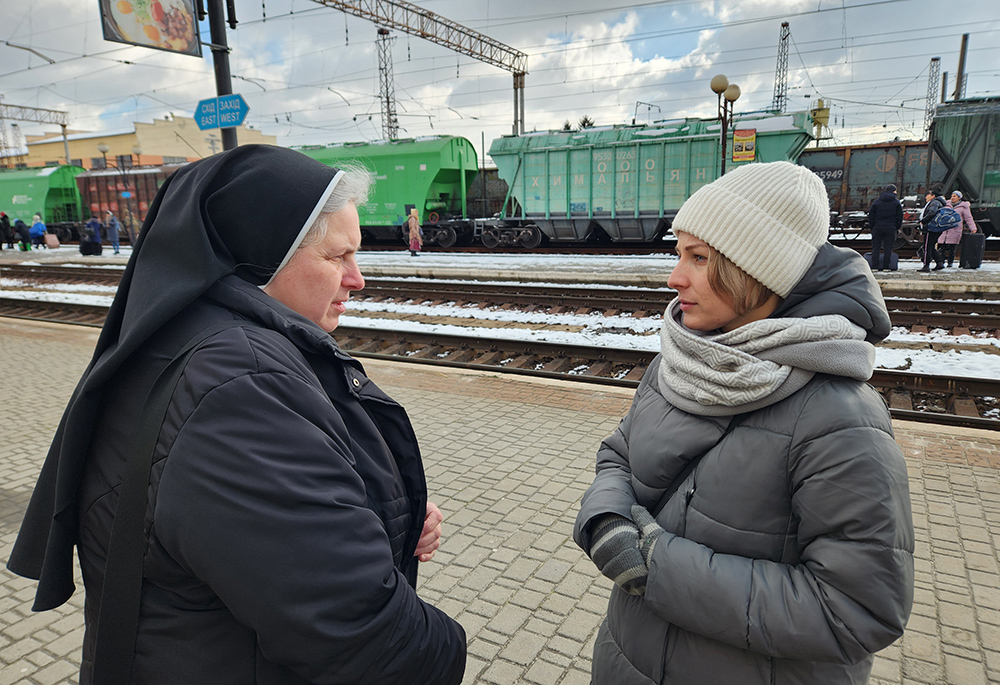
787	557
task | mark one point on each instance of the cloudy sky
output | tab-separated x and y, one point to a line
310	73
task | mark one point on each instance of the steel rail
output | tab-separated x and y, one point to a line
608	366
935	312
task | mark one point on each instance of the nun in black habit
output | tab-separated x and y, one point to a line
271	505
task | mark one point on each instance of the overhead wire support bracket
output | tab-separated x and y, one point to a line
414	20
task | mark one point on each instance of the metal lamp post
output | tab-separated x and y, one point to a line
728	93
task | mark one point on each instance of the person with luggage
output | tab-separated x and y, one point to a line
884	219
23	235
6	231
968	246
37	231
111	222
948	240
90	241
935	202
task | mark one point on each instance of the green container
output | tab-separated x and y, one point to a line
966	135
629	181
431	174
50	191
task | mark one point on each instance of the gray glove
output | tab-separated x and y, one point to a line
649	531
614	548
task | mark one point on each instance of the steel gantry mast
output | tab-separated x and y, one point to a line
416	21
387	89
932	93
36	115
780	100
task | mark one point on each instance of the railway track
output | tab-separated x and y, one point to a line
966	402
956	312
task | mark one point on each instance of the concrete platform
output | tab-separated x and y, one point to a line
507	460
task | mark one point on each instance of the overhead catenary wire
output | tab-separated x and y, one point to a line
480	97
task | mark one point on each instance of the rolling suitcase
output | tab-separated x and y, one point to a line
971	247
893	261
51	241
89	247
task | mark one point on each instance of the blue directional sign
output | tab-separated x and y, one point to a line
225	111
232	110
206	115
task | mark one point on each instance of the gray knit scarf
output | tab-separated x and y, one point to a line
753	366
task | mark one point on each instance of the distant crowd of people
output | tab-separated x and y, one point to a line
38	235
945	225
25	236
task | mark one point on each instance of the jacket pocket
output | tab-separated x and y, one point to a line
640	635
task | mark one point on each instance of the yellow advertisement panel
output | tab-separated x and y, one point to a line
162	24
744	144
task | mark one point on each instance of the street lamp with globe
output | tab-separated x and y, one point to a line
728	93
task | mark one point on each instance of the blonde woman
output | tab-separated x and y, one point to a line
752	508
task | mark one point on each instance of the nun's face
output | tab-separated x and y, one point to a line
319	278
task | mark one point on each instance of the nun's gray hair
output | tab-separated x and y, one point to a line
354	188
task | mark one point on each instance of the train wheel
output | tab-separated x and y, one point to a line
490	239
531	237
64	234
447	237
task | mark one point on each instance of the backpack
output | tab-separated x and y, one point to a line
945	219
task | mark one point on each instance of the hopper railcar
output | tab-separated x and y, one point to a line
624	183
431	174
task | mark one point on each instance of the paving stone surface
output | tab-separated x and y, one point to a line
507	461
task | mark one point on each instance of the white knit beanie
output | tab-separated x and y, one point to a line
768	219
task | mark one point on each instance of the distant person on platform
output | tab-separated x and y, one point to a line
23	235
951	238
884	219
416	235
37	231
6	231
935	201
93	229
111	222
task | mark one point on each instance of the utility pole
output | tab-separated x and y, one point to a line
417	21
960	78
780	100
220	56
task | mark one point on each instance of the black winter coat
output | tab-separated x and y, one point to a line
286	499
931	209
886	212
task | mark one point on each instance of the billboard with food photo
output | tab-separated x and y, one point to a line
162	24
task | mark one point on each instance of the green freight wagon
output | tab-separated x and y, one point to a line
966	135
625	183
50	191
431	174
